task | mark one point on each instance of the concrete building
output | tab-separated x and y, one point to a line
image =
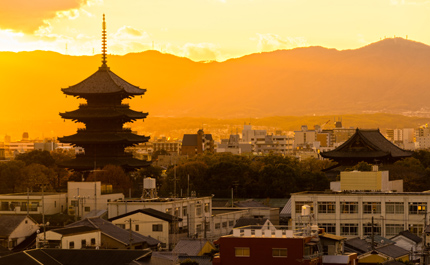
193	144
172	146
23	203
194	212
84	197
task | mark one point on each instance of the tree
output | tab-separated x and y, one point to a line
10	173
34	176
113	175
38	157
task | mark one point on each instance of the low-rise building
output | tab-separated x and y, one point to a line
15	228
31	203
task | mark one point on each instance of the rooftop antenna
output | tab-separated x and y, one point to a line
104	45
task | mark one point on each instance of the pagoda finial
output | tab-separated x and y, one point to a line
104	48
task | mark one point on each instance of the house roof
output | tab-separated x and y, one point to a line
332	237
366	144
104	81
408	234
357	245
247	221
190	247
201	260
75	230
392	251
151	212
8	223
77	257
286	211
379	240
115	232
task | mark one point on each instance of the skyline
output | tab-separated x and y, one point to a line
206	29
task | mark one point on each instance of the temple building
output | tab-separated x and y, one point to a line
104	138
369	146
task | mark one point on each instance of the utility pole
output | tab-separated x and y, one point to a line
424	253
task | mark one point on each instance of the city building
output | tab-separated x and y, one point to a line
172	146
193	144
150	222
349	212
84	197
104	138
31	203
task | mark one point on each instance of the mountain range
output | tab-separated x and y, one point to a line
388	76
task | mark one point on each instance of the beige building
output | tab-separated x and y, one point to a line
31	203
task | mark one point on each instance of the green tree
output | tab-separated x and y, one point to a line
34	176
113	175
10	173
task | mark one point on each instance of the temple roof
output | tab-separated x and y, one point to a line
86	137
367	144
89	113
104	81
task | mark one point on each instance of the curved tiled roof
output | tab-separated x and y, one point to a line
367	144
86	137
104	81
103	112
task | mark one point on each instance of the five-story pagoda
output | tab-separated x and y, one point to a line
104	138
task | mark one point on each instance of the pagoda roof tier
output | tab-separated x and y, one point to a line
87	163
365	145
86	137
104	81
103	113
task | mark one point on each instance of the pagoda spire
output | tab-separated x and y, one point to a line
104	45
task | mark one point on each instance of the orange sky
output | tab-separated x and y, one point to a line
207	29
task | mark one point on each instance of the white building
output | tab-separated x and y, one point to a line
15	228
23	203
84	197
195	212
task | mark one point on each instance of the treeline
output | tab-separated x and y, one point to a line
271	176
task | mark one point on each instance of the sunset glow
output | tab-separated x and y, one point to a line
207	29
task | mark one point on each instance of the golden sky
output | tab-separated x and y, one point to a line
207	29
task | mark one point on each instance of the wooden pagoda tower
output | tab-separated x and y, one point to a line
104	138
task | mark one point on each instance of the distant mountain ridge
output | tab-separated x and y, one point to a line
389	76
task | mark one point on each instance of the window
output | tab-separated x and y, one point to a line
372	207
157	228
169	211
349	207
417	207
71	245
23	206
300	204
394	208
417	229
5	206
93	241
207	207
241	252
198	210
326	207
348	229
199	228
74	203
83	243
34	206
328	228
177	211
230	223
121	226
367	229
136	228
224	224
393	229
87	209
184	211
279	252
217	225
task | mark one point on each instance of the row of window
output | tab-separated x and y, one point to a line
368	207
155	227
83	243
349	229
198	209
224	224
276	252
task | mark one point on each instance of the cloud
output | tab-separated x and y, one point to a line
126	32
201	51
28	16
270	42
408	2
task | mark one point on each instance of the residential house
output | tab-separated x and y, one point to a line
15	228
112	236
150	222
409	241
382	254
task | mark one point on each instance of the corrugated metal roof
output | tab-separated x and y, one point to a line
286	211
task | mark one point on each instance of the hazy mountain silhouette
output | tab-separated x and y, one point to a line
391	76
